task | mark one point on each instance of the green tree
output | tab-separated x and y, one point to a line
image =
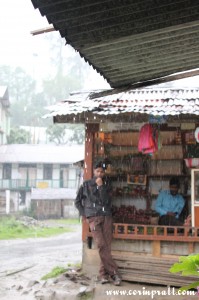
78	133
27	106
65	134
68	74
21	85
19	136
187	266
69	70
56	133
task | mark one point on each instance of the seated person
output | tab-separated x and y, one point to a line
170	204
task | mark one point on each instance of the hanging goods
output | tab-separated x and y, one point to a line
148	139
197	134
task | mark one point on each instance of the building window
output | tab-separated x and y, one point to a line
48	172
7	170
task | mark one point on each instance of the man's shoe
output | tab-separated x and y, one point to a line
116	280
104	280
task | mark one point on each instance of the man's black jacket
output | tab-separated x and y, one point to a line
93	200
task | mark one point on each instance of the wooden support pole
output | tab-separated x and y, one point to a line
191	248
156	248
88	164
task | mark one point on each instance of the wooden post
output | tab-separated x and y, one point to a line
156	248
89	145
88	164
191	248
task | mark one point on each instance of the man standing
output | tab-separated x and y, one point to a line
94	202
170	204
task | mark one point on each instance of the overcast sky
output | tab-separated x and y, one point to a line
19	48
17	19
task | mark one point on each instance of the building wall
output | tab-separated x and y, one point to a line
44	209
19	190
70	210
56	171
1	171
39	171
4	123
15	171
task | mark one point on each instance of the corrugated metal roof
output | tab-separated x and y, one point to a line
4	96
24	153
159	101
130	42
53	194
3	90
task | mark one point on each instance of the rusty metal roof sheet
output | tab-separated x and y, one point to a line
38	153
130	42
157	102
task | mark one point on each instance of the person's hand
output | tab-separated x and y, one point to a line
170	213
99	181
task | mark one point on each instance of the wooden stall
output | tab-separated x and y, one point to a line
144	250
139	242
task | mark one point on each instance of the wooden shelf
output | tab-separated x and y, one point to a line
169	175
155	195
141	179
135	146
116	175
164	159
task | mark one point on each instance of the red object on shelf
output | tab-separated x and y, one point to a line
192	162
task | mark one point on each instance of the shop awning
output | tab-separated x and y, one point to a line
130	43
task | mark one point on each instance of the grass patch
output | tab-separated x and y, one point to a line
65	221
77	265
10	228
54	273
87	296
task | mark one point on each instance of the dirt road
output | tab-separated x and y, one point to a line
63	248
41	255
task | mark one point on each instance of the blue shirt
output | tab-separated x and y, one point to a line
169	203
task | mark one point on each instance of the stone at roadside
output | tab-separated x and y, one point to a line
26	292
54	295
45	295
60	279
18	287
84	283
32	282
86	291
43	285
29	221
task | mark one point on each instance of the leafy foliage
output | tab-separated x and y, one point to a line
69	72
64	134
78	133
56	133
19	136
187	265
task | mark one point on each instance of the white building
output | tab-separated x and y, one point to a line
4	115
26	167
